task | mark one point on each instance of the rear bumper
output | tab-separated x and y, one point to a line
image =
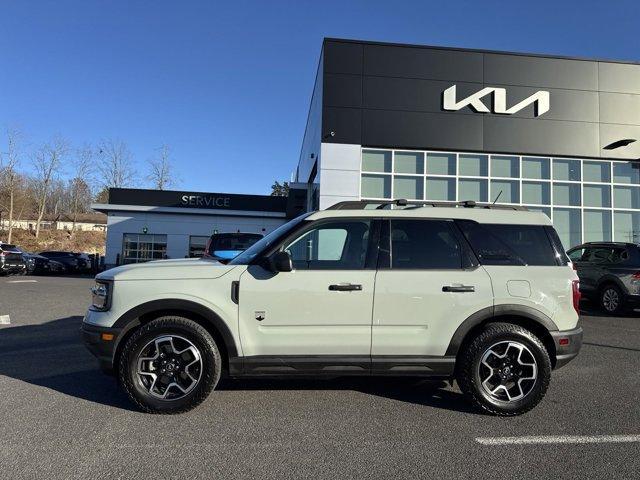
568	344
102	349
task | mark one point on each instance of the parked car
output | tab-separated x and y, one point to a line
84	262
609	274
39	265
226	246
71	262
11	261
483	295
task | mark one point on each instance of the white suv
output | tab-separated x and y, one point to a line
477	293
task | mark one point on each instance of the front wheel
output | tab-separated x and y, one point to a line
169	365
505	370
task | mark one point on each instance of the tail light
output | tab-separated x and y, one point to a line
636	276
575	288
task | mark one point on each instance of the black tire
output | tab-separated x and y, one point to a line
468	372
209	369
611	299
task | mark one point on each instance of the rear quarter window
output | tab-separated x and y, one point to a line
497	244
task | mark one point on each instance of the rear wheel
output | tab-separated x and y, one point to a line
611	299
505	370
169	365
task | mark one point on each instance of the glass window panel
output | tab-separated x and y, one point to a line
424	244
441	189
441	163
376	186
566	169
408	162
626	172
567	223
476	190
627	227
566	194
503	166
596	195
376	161
536	192
473	165
510	192
597	225
197	245
596	171
533	167
545	210
626	197
408	187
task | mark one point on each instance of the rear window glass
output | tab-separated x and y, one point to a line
424	244
497	244
6	247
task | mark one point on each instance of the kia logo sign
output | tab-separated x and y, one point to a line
540	99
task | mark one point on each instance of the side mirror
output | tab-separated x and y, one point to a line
281	262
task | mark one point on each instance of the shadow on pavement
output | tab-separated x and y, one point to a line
52	355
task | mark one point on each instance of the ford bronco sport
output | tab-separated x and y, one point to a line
483	294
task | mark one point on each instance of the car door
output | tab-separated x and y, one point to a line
427	288
321	308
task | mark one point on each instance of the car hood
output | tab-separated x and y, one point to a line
178	269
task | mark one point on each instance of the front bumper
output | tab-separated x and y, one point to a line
568	344
102	349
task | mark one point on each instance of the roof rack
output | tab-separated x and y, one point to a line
401	202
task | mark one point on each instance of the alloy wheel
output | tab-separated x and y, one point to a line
508	371
169	367
610	300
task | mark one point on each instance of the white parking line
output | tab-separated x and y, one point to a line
5	320
22	281
550	439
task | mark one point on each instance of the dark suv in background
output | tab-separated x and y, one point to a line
609	274
11	260
71	261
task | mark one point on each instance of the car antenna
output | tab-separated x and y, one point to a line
497	197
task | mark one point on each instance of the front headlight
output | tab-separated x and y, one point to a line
100	295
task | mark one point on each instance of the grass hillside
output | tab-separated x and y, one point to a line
89	242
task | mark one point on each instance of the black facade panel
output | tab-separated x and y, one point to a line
342	90
410	62
385	128
426	95
345	123
591	103
178	199
523	135
621	108
619	77
540	72
342	57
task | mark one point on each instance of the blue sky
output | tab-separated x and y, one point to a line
227	84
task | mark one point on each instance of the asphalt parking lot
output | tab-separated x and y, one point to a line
61	418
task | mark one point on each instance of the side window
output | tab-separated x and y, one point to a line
331	246
619	255
424	244
599	254
577	255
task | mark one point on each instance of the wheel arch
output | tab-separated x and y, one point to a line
144	313
527	317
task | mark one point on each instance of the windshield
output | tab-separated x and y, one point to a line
253	251
235	242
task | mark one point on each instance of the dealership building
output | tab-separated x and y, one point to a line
558	135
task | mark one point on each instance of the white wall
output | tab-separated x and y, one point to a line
339	173
178	228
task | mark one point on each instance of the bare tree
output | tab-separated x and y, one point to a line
115	165
161	173
9	175
47	162
79	185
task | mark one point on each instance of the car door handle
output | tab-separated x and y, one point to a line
344	287
458	288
